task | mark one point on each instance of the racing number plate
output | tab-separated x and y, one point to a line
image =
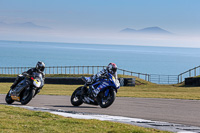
15	98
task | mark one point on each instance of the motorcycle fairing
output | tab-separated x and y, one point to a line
20	87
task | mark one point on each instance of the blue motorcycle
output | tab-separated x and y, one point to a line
109	86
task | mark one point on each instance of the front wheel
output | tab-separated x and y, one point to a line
106	101
8	98
27	96
76	98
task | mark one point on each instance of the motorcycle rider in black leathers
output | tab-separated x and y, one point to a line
111	68
40	66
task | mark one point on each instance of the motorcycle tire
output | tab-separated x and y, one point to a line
8	98
27	96
112	95
76	100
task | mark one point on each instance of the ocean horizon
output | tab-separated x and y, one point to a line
142	59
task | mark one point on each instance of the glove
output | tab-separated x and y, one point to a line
25	74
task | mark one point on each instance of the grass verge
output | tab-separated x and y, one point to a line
13	119
148	90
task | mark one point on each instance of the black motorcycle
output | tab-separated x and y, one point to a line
26	89
106	96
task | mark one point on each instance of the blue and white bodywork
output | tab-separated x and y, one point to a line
108	87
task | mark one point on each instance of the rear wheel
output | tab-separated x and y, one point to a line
106	101
8	98
27	96
76	98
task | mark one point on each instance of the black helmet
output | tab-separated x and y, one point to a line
112	68
40	66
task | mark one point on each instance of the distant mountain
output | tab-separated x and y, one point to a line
148	30
26	25
129	30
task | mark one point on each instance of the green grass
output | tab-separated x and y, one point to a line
161	91
142	89
13	119
146	90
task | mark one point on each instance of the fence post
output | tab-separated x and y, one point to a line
138	75
65	70
181	78
168	79
149	78
46	70
195	72
190	73
78	69
178	78
88	70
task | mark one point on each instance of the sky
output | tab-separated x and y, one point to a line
100	21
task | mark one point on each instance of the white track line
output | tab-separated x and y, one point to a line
165	126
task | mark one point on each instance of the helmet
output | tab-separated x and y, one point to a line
40	66
112	68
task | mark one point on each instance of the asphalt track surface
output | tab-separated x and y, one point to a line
177	111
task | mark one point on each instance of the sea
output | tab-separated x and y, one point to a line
142	59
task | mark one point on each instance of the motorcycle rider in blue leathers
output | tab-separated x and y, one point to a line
111	68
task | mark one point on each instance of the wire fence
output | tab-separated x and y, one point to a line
190	73
55	69
154	78
163	79
159	79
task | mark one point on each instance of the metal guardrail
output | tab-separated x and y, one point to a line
163	79
190	73
130	73
72	70
154	78
55	69
159	79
